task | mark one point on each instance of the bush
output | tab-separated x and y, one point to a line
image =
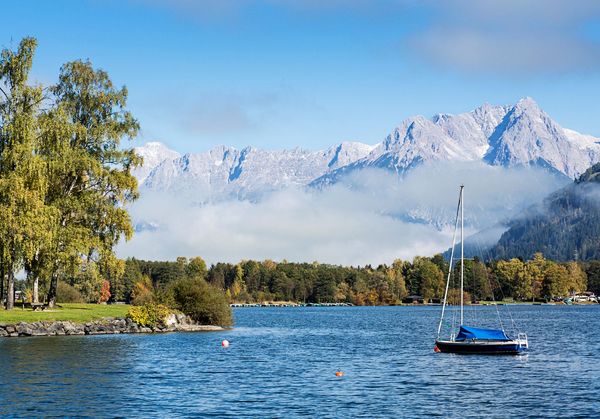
202	302
149	315
66	293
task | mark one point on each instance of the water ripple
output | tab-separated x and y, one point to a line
282	363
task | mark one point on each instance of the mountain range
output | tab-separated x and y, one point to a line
508	136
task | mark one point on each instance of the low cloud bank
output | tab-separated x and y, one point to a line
370	217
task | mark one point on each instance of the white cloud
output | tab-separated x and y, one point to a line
363	220
512	37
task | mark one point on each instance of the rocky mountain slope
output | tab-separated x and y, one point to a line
507	136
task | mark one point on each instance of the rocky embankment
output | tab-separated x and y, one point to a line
173	323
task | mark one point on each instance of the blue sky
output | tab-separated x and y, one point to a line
286	73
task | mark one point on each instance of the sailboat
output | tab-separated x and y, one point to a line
470	339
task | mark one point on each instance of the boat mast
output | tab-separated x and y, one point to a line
462	252
450	266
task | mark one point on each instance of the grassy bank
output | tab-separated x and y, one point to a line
79	313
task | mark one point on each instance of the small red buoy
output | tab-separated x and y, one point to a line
225	343
436	349
339	374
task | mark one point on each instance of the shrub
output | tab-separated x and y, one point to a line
149	315
66	293
202	302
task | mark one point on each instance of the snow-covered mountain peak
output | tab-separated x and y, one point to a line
528	136
527	103
153	154
521	134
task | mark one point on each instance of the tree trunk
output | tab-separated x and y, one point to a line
52	290
10	292
2	275
36	298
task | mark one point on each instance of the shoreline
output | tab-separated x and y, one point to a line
108	326
335	305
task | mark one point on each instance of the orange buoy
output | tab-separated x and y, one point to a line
225	343
339	374
436	349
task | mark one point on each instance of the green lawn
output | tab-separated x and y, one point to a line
79	313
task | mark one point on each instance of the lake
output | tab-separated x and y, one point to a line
282	362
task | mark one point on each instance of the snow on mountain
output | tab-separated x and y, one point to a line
509	136
528	136
346	153
153	153
225	172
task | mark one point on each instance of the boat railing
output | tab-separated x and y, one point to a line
522	340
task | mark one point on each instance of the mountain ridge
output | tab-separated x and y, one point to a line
507	135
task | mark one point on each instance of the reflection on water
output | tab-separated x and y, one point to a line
282	363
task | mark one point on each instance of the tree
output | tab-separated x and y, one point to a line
577	278
23	184
430	278
509	275
537	268
104	292
481	287
593	274
142	292
238	287
202	302
131	274
397	285
196	268
90	173
342	293
87	281
556	281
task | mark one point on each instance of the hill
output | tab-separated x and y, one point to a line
565	226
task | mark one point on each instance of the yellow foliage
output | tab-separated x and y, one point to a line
149	315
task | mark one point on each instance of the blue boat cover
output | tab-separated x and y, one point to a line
468	332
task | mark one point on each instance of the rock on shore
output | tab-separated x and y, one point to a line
174	323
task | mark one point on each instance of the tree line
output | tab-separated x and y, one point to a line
259	281
64	177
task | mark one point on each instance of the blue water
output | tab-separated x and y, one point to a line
282	363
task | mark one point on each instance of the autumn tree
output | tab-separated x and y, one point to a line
507	273
577	278
556	281
104	292
396	281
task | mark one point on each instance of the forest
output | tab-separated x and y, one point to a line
261	281
565	226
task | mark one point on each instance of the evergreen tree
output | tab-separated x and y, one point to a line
593	276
